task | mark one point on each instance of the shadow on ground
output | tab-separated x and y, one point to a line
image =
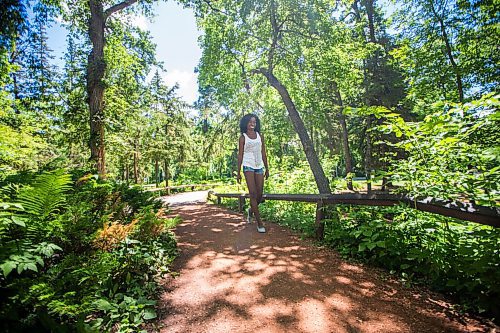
233	279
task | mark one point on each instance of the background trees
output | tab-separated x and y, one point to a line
317	69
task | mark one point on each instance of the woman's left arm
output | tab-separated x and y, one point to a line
264	156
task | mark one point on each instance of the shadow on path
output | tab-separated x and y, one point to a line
233	279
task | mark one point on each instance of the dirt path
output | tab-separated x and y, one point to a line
232	279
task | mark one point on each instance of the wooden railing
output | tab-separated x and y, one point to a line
461	210
167	189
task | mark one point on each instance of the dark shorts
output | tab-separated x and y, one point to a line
257	171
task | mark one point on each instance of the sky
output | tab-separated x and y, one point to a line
175	34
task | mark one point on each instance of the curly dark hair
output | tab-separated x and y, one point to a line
244	122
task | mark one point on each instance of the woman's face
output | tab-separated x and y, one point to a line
252	123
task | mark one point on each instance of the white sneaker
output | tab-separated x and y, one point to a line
262	230
249	215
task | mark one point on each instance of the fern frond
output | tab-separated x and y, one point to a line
46	195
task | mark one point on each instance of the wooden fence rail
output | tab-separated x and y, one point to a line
148	188
462	210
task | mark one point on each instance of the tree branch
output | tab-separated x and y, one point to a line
113	9
247	81
214	9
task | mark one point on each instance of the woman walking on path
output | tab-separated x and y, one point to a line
252	155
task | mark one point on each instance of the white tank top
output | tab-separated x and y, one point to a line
252	152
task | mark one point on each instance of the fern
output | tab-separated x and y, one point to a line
46	195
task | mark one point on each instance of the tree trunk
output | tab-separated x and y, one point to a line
313	139
371	25
16	94
95	86
316	168
449	53
368	156
345	135
127	171
136	162
157	176
373	101
167	176
96	68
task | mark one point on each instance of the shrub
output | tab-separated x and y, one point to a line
81	269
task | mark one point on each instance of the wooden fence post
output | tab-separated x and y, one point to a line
219	200
241	203
319	224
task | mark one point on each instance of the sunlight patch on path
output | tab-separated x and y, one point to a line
233	279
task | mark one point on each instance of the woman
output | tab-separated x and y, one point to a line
252	155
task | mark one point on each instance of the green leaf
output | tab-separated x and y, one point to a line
149	314
32	267
46	195
103	305
39	260
7	267
17	220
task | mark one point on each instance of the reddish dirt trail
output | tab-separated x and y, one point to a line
232	279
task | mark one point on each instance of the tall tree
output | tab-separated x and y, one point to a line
382	82
446	48
41	77
96	70
265	36
335	59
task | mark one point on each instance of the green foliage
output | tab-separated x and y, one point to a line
46	195
20	148
441	41
27	223
444	157
59	281
452	256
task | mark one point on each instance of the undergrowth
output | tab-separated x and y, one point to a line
80	255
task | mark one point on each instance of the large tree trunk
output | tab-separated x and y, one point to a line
96	68
95	86
317	170
371	25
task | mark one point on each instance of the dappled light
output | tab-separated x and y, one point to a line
236	279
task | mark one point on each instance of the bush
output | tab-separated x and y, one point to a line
456	257
93	262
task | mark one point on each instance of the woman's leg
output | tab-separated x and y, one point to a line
259	187
252	191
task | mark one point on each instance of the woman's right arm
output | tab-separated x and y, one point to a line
241	146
